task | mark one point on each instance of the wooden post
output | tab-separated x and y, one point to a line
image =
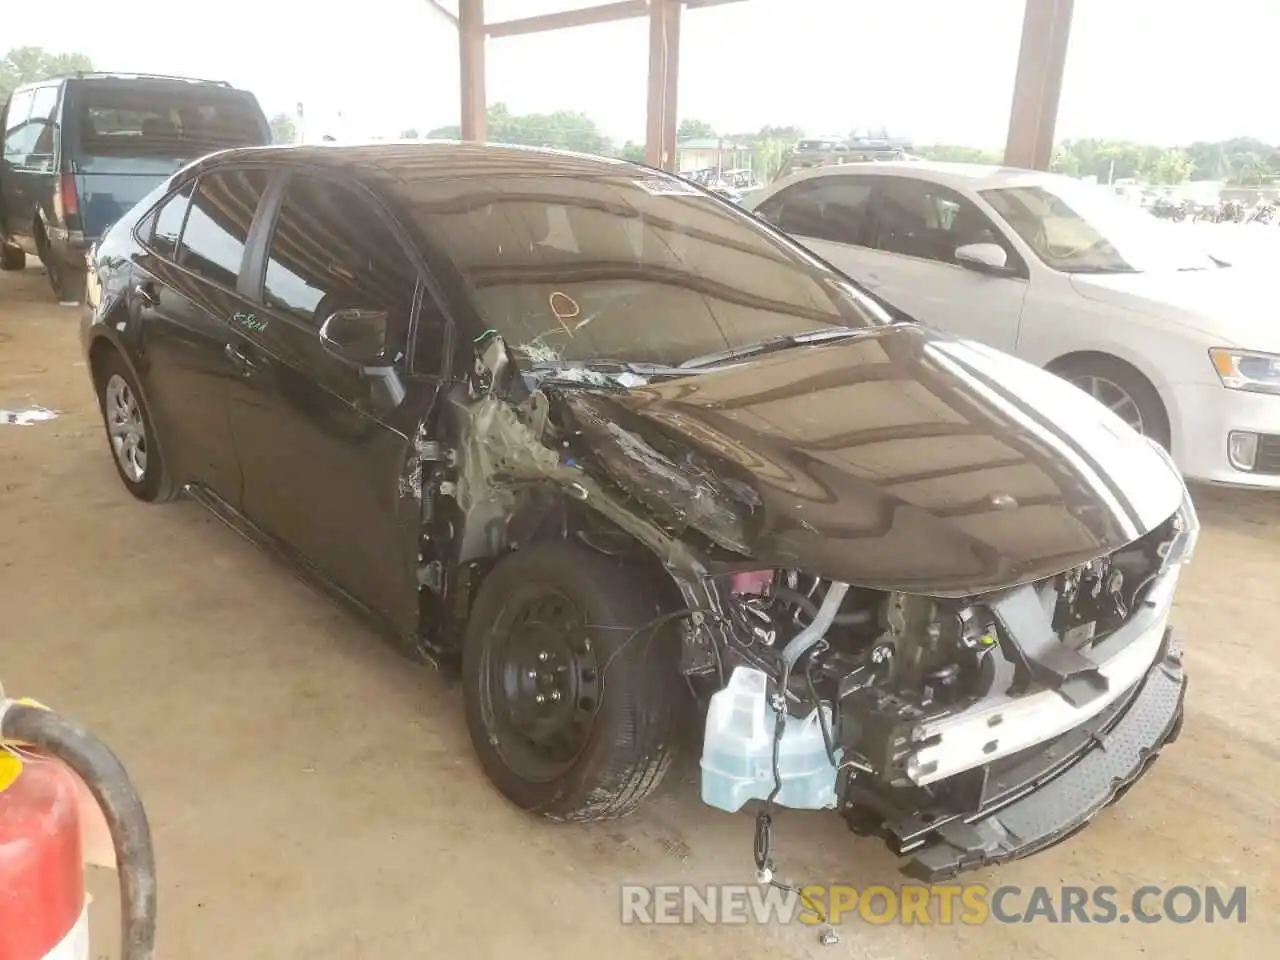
471	56
1037	88
664	72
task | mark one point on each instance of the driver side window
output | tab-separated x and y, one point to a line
916	218
331	250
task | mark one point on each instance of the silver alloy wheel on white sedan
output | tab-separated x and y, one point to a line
1114	397
126	428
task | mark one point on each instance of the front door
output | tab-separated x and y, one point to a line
897	237
917	226
328	462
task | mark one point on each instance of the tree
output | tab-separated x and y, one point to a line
410	134
691	129
632	151
27	64
952	153
1173	166
564	129
1065	161
283	129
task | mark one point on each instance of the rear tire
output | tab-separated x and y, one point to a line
551	624
1124	390
68	280
131	435
12	258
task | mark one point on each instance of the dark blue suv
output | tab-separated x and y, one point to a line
81	151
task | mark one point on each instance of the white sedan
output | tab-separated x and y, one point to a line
1063	274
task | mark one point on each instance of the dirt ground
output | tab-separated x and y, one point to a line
313	795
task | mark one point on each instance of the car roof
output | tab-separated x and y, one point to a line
415	160
974	176
97	76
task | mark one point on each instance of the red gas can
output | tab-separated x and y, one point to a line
42	892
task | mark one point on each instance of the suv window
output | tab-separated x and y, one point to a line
835	208
156	119
44	109
921	219
218	222
168	220
329	250
19	137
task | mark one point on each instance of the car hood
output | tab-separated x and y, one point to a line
1233	305
898	460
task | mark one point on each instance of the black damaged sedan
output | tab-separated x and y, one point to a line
635	460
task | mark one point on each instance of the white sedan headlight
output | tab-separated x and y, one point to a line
1246	369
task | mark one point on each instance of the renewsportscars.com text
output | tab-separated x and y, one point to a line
938	904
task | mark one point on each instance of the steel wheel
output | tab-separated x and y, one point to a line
541	686
125	428
1114	397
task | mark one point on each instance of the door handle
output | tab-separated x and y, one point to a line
147	294
239	359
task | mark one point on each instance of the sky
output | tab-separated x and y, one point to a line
939	71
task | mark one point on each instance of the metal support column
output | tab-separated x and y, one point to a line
1046	27
664	72
471	55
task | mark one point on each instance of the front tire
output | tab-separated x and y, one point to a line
1124	390
131	433
551	624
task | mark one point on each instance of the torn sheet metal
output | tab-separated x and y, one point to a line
24	418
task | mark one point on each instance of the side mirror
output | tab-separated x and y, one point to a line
359	337
983	257
356	336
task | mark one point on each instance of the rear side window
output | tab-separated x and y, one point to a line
178	120
218	222
19	136
331	250
168	222
825	208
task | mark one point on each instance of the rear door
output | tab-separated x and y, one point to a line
185	295
328	467
125	136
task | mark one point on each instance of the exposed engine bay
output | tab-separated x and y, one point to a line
901	684
889	658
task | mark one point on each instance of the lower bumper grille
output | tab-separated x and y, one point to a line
1268	461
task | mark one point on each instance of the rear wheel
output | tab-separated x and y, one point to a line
12	258
1123	390
572	711
130	433
68	280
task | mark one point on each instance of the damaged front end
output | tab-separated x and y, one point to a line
937	673
965	731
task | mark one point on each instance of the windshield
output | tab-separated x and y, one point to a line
179	120
1080	228
587	268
